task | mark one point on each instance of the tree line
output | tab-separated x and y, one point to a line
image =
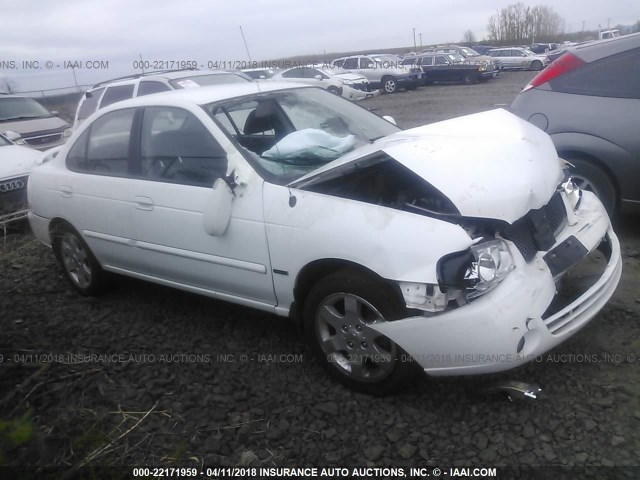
518	23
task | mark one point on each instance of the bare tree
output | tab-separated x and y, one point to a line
469	37
517	23
7	85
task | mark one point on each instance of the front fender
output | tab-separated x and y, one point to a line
394	244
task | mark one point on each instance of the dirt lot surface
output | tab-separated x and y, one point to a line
148	375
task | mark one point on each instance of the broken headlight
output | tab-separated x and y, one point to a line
477	270
492	263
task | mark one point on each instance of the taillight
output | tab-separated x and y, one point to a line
562	65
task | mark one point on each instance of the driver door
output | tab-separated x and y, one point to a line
178	163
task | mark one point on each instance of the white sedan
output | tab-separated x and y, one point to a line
349	85
392	248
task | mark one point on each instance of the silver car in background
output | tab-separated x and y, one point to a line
519	58
588	101
383	71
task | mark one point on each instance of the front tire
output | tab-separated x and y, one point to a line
469	78
536	65
590	176
338	313
389	84
333	90
80	266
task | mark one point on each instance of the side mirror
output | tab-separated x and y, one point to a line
217	211
390	119
318	77
15	137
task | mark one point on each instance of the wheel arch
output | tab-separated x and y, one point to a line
622	167
569	153
313	271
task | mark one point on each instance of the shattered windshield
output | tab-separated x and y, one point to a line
287	134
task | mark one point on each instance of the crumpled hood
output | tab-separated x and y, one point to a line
490	165
16	161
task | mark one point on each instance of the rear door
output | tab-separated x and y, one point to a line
96	196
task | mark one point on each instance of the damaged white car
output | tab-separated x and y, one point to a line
430	247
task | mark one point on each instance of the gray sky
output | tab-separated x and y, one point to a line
118	31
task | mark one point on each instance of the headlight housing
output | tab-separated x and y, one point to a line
492	263
477	270
67	133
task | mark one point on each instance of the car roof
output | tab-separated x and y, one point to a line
164	74
601	48
205	95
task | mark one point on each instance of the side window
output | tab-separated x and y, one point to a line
617	76
148	87
351	63
177	148
90	104
77	156
366	62
294	73
440	60
104	147
116	94
427	61
338	63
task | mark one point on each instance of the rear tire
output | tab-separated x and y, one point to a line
80	266
337	314
590	176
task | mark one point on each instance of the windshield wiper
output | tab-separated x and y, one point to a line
25	117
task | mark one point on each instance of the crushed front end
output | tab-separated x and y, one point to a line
515	293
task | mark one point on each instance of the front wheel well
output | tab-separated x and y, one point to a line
568	154
311	273
56	224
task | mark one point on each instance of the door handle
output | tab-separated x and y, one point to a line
66	191
144	203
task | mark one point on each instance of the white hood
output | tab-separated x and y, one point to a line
490	165
16	161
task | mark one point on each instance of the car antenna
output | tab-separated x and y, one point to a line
246	47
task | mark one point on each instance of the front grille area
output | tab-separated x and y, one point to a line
537	230
360	86
13	195
43	139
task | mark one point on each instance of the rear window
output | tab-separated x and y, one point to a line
90	103
617	76
116	94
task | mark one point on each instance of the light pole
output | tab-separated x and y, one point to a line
414	38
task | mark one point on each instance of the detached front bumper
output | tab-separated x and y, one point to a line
512	324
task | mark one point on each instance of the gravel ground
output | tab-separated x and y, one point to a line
148	375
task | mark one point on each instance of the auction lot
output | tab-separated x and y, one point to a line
145	375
